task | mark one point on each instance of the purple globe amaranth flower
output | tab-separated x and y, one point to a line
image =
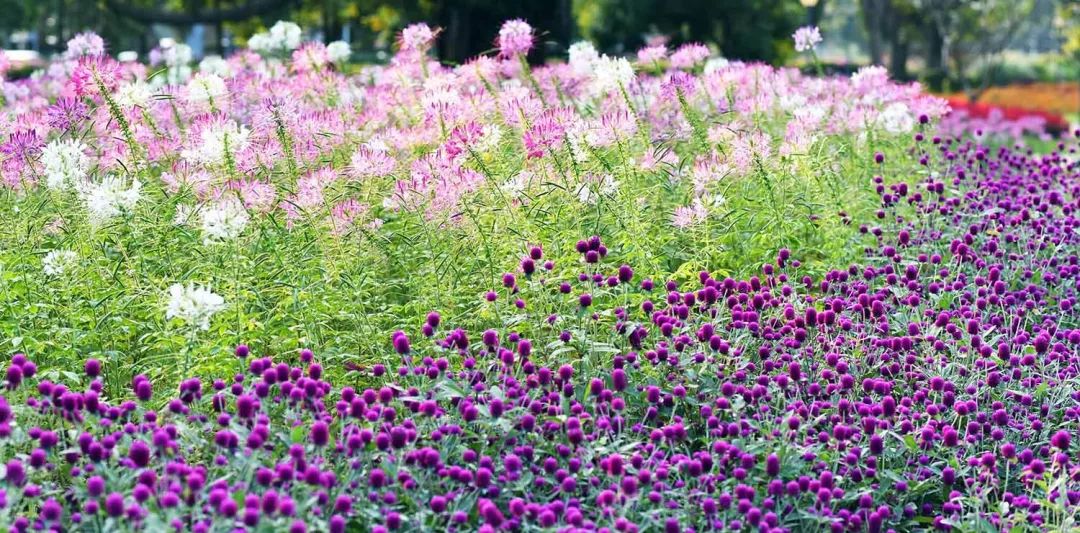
15	473
143	390
1060	440
139	453
114	504
337	524
401	342
92	368
14	376
95	485
320	433
772	465
242	351
51	510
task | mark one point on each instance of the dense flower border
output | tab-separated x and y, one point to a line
936	385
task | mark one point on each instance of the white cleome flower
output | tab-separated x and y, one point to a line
109	198
135	94
806	38
223	221
176	54
213	143
260	42
339	51
216	65
182	215
57	262
193	304
65	163
206	88
285	35
583	56
897	118
715	64
610	73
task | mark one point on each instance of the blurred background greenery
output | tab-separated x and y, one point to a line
965	46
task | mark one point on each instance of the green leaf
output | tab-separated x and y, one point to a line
297	434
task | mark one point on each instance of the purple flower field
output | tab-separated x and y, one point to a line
924	374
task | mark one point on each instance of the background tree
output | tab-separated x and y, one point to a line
750	30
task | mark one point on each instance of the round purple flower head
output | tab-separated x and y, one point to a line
143	390
401	342
320	433
95	486
1060	440
93	368
114	504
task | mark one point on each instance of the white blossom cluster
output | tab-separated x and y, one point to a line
897	118
109	198
194	304
65	163
595	186
215	64
339	51
134	94
208	89
57	262
177	58
217	141
282	37
607	73
583	56
610	73
223	221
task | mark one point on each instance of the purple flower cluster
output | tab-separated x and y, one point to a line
933	386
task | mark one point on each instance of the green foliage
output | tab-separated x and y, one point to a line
287	289
745	30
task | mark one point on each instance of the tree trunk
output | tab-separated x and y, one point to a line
871	12
898	56
936	71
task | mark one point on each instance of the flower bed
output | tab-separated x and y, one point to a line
933	385
166	212
1062	98
1003	122
680	295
